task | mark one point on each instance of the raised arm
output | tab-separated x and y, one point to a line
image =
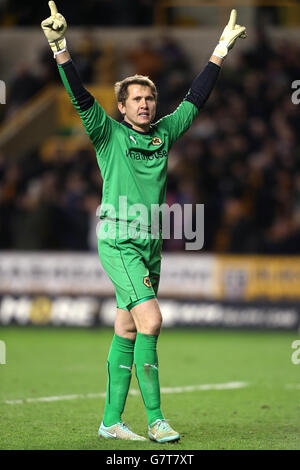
227	40
205	81
97	124
178	122
54	28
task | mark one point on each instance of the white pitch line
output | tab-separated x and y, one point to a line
194	388
293	386
55	398
164	390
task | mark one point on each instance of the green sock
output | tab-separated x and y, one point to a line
119	365
146	366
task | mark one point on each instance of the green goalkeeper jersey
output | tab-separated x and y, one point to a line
133	164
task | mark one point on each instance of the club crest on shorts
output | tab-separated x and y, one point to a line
147	281
156	141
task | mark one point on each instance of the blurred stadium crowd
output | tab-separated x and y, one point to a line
240	158
89	12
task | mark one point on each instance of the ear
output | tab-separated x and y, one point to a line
121	108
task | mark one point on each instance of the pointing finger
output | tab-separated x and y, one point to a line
52	7
232	19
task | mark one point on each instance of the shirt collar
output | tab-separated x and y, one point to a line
125	123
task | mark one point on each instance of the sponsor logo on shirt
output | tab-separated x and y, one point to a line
156	141
140	156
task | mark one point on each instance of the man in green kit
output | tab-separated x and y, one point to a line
132	156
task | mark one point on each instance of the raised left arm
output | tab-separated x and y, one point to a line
181	119
205	81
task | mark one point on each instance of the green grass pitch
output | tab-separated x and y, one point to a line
49	362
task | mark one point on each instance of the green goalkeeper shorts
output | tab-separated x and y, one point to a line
132	264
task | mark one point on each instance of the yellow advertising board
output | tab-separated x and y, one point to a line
258	277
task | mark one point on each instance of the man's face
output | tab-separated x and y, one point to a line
139	108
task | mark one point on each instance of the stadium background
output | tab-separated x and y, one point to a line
240	159
235	303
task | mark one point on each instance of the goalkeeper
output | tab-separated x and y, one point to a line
132	156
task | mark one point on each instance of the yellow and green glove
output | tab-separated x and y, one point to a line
230	34
54	28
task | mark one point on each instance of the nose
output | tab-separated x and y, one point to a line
144	103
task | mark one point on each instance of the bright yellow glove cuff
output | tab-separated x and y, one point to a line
58	46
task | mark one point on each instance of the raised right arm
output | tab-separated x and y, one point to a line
96	122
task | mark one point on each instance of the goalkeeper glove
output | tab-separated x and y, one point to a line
54	28
230	34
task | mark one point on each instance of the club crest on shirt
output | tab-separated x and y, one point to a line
156	141
147	281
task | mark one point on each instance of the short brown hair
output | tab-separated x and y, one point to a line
121	88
